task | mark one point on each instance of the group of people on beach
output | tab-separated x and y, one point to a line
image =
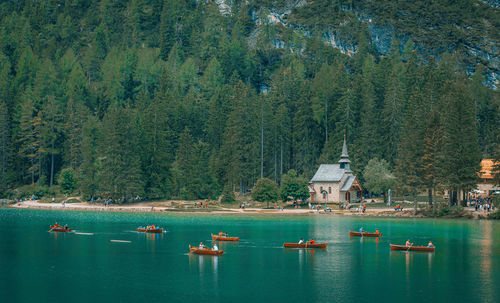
201	204
483	204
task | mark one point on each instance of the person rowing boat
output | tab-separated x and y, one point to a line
301	241
408	243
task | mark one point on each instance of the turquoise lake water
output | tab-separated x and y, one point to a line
38	266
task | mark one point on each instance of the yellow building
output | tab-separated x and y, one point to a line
487	185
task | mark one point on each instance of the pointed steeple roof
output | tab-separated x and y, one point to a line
344	157
344	150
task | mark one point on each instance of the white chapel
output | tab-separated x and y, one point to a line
335	182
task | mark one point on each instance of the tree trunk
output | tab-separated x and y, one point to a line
32	173
429	194
326	121
434	204
464	198
262	141
450	197
52	168
281	162
39	169
415	200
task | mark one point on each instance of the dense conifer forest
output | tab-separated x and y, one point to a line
174	99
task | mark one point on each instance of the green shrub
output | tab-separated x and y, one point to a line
496	201
67	180
228	195
39	191
443	210
494	216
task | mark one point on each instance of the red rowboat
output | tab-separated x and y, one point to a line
60	228
412	248
205	251
305	245
364	234
224	238
149	230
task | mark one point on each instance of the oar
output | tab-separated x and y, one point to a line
409	247
196	250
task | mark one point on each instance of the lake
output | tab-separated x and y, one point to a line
84	266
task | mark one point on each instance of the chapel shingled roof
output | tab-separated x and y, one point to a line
328	173
348	183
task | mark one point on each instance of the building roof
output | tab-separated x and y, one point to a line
348	183
487	167
328	173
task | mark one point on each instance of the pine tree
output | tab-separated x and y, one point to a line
90	175
408	163
394	105
28	139
51	129
240	148
368	145
183	165
157	152
460	146
5	147
122	175
75	116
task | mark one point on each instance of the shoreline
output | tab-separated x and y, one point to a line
141	208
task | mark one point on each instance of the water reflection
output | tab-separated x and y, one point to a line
153	239
207	268
486	257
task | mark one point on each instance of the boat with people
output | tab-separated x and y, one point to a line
205	251
150	229
223	237
305	245
412	247
364	234
60	228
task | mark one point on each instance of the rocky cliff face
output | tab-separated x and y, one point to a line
493	3
475	50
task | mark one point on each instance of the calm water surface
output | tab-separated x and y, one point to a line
38	266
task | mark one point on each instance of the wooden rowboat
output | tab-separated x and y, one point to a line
412	248
60	228
205	251
364	234
146	230
224	238
305	245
